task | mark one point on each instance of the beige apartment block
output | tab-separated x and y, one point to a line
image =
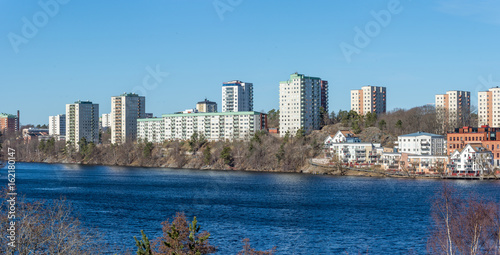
453	109
125	110
369	99
488	110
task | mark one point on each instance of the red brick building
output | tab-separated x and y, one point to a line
489	137
9	122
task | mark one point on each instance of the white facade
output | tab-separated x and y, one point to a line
369	99
151	130
390	160
474	159
125	110
421	143
106	120
300	101
57	125
454	107
213	126
237	96
488	110
357	152
82	120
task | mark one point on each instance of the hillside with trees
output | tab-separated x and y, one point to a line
263	151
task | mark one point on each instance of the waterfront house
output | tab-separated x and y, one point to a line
345	147
390	161
427	164
473	160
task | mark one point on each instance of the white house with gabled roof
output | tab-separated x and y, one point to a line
342	136
474	159
346	147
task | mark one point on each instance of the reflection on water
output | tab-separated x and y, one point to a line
301	214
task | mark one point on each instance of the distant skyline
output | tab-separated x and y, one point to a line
177	53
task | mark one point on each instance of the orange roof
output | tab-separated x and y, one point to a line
347	132
478	147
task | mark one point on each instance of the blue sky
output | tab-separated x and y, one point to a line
92	50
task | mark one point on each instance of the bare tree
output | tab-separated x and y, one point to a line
463	225
44	227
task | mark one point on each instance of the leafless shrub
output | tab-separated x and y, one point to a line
47	227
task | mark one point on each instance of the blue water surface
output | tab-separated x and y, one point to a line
298	213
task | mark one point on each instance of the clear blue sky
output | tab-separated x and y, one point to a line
92	50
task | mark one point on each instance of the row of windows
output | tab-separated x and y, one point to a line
467	138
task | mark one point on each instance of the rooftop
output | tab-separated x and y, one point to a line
125	94
234	83
209	114
83	102
477	147
150	119
6	115
298	75
206	102
420	134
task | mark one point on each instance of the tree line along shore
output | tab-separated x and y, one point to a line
262	152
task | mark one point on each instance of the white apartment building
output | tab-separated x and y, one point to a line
237	96
300	101
213	126
57	125
421	143
105	120
369	99
82	120
151	130
488	110
474	160
125	110
453	108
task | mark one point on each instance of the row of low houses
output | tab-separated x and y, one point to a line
419	153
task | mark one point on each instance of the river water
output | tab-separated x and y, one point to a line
298	213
